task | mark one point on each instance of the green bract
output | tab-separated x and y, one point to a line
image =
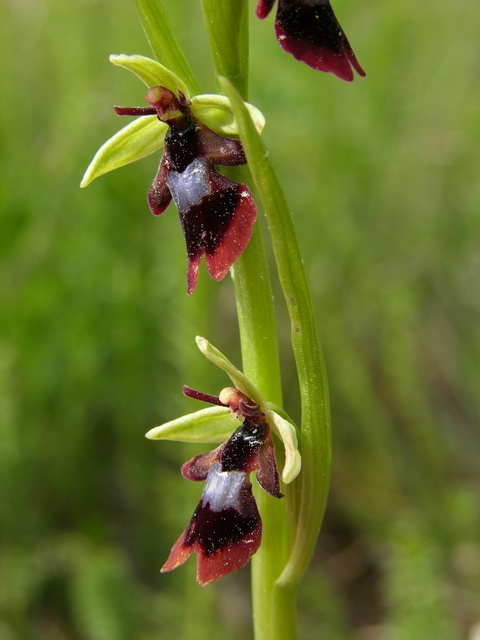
216	424
146	134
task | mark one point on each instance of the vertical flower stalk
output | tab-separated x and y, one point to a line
227	25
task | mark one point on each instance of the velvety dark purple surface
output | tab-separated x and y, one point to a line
310	31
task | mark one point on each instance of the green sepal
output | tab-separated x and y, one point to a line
138	139
213	424
240	381
216	112
151	72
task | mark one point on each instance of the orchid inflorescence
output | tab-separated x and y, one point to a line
198	134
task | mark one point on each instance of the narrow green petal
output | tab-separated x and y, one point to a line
151	72
138	139
216	112
288	435
213	424
241	382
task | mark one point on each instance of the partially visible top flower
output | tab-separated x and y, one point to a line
309	30
217	214
226	529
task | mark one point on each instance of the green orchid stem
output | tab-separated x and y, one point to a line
256	315
227	26
163	42
274	611
261	364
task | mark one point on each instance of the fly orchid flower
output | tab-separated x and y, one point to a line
216	214
226	529
309	30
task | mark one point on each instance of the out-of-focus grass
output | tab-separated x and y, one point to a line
96	332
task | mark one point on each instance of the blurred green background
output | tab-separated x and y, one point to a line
96	332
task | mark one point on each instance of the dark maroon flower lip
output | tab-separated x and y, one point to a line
216	213
226	528
310	31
